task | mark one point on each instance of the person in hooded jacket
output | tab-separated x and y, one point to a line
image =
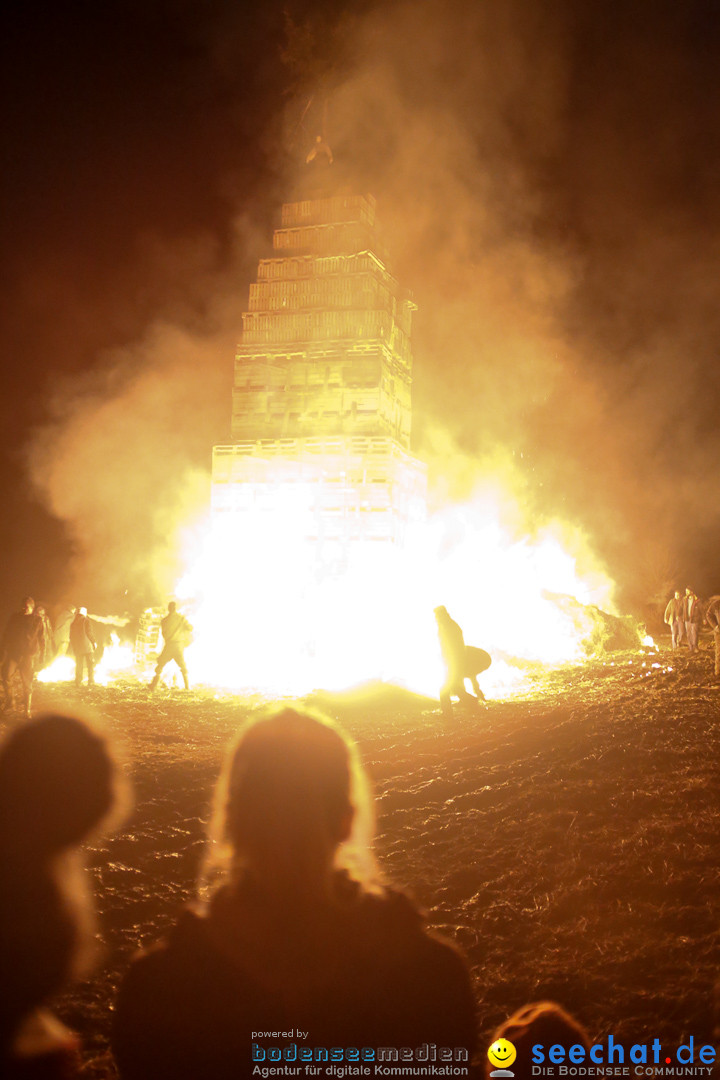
298	936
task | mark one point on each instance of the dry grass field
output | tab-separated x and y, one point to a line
567	839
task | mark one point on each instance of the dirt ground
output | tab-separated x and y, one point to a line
566	839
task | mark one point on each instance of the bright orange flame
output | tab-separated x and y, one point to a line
116	660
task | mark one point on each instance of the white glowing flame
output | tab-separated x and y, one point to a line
275	612
62	669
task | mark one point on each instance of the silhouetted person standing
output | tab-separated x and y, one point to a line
83	644
712	618
674	618
692	617
452	646
22	645
48	641
175	631
63	622
298	928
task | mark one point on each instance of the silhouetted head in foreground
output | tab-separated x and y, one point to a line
543	1023
292	798
57	783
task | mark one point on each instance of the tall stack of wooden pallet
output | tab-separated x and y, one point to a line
321	395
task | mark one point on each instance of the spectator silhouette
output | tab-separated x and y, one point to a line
673	618
57	783
712	618
63	622
48	640
22	643
543	1023
175	630
83	644
692	617
298	935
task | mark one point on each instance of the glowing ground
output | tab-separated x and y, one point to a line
566	840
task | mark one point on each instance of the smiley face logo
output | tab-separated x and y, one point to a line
502	1053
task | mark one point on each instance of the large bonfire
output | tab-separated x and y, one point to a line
320	565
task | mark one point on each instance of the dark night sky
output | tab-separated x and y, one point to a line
548	176
127	126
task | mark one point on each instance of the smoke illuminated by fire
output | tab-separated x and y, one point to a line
533	334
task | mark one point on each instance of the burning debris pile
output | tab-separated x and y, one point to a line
609	633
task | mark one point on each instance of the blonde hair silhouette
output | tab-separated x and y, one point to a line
292	805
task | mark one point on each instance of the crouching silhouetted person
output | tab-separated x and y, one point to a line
57	783
175	631
476	661
299	935
454	652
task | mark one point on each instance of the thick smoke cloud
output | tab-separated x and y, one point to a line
545	175
547	178
125	461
